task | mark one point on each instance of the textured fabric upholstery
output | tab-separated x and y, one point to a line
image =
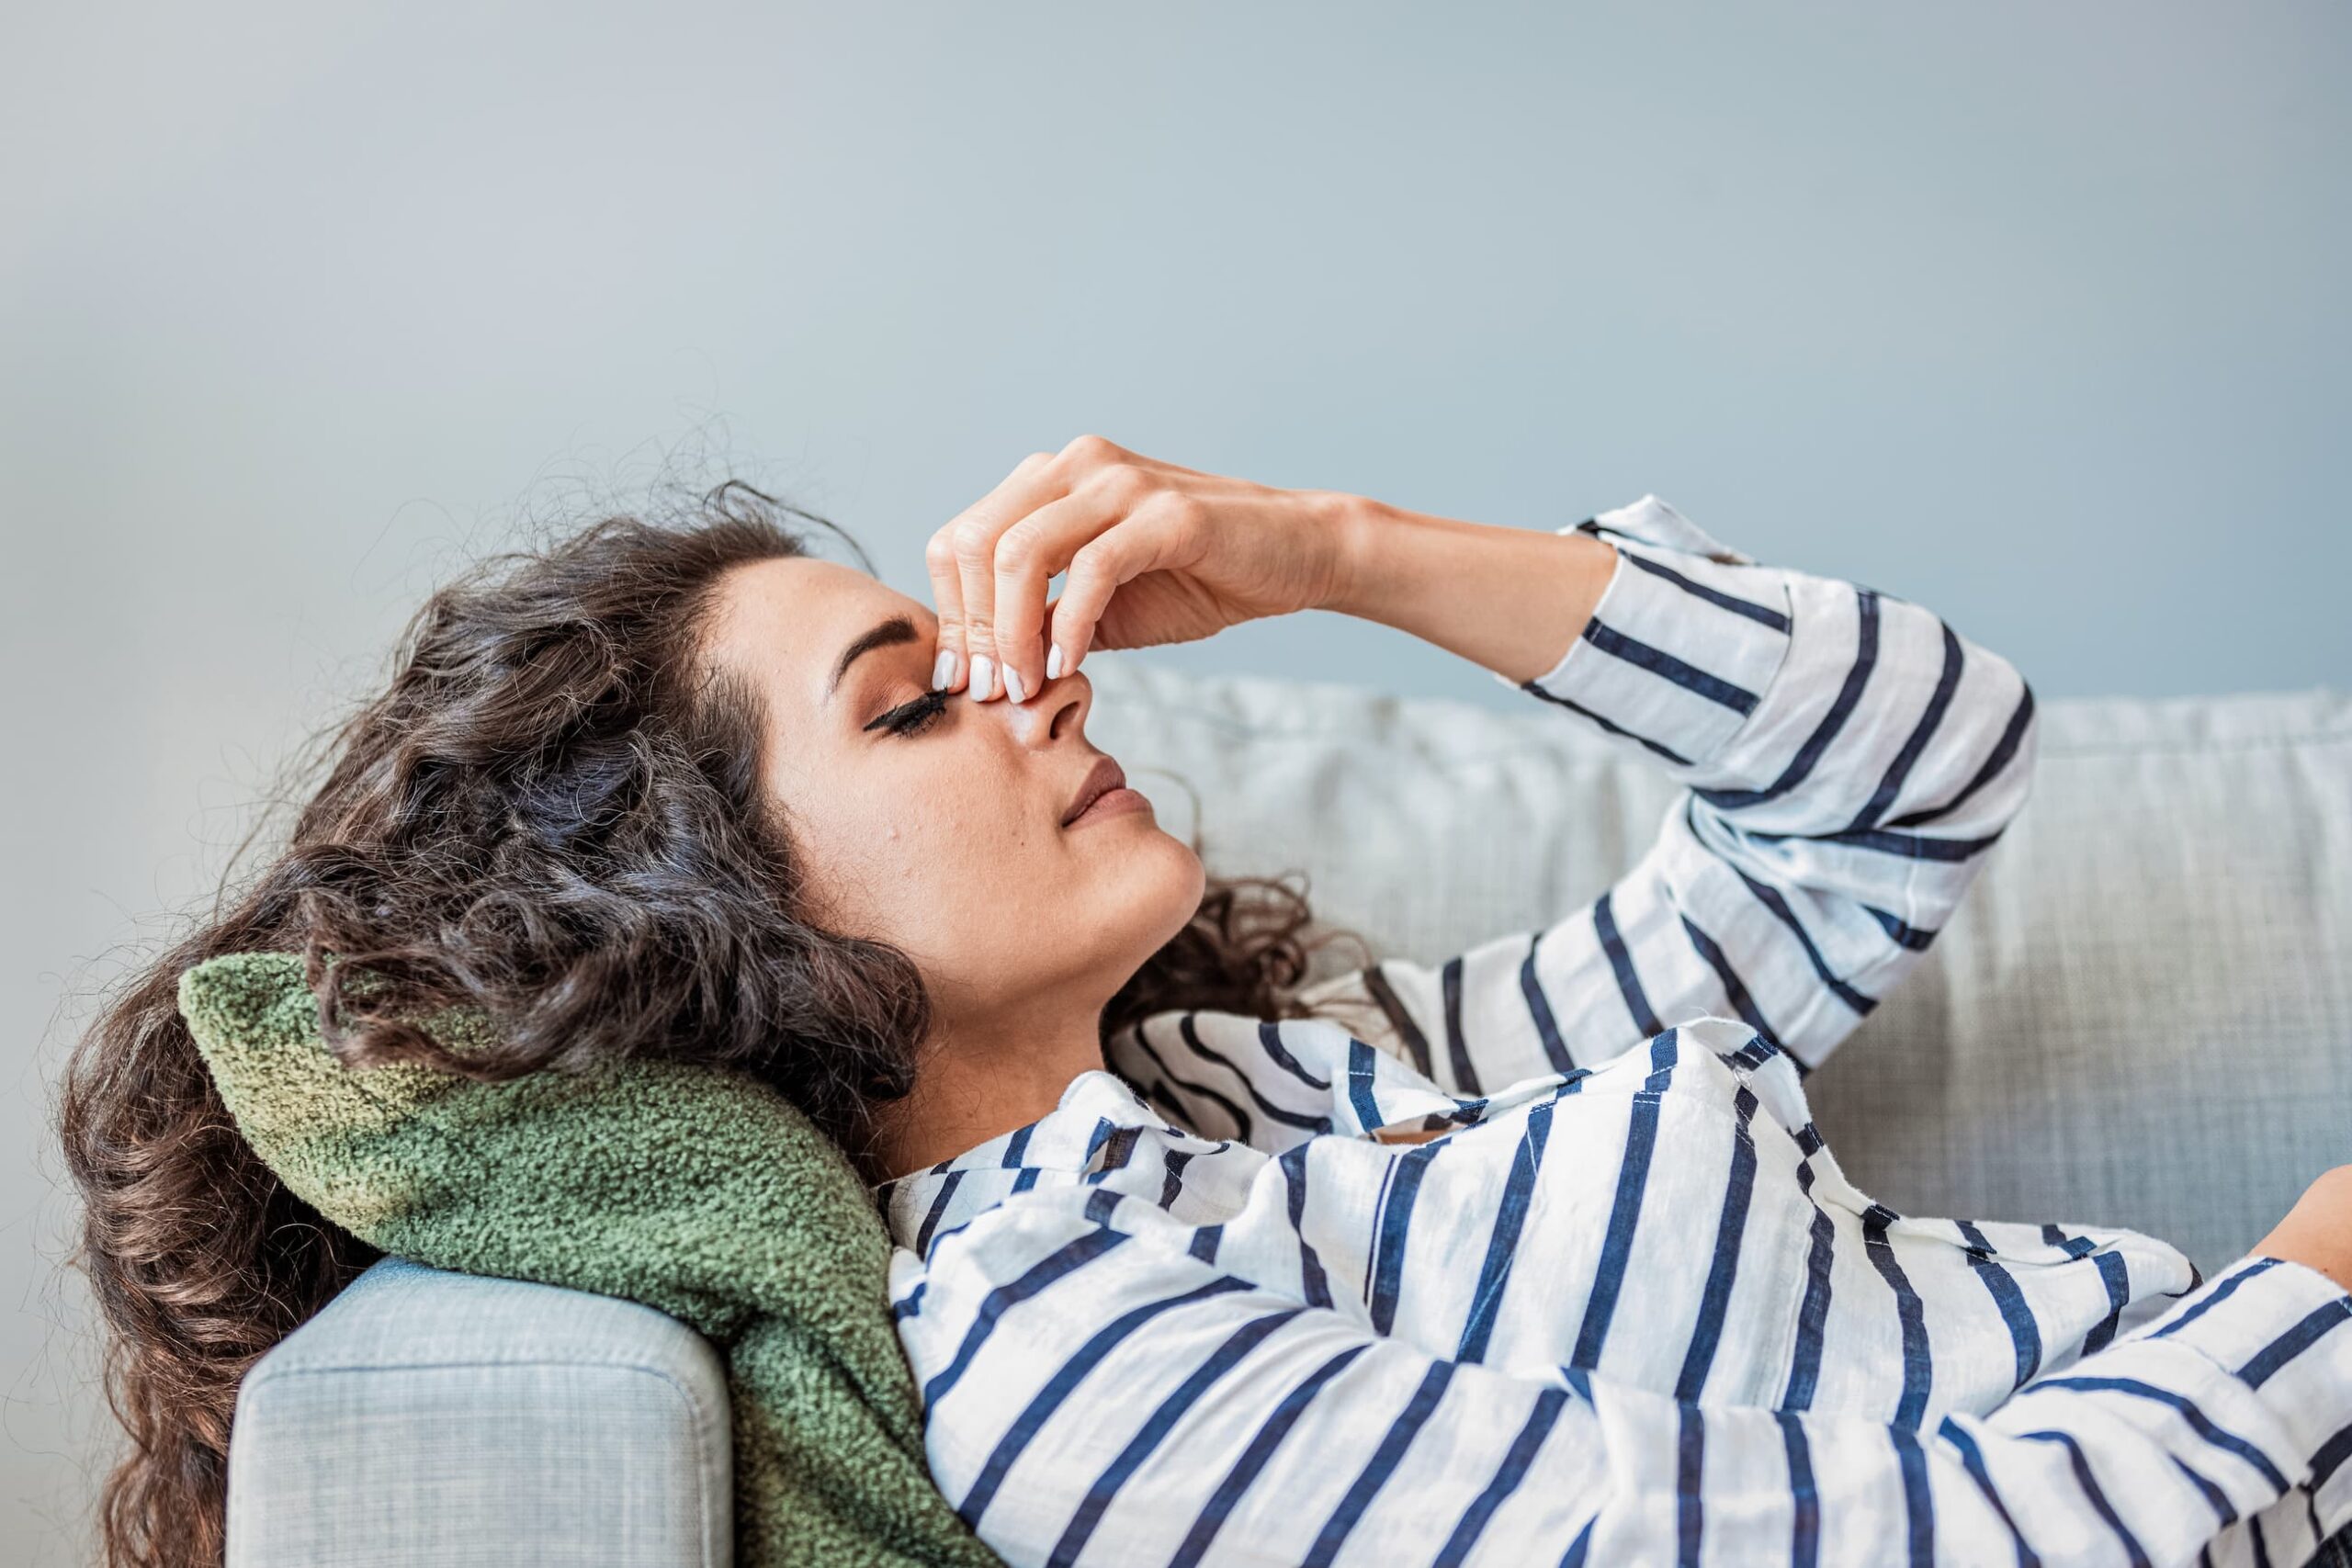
427	1418
2141	1016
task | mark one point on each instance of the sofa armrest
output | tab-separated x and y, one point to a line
428	1419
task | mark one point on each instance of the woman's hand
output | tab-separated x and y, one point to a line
2317	1232
1156	554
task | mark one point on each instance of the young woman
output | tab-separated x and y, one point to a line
1532	1255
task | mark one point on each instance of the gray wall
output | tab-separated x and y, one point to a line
2033	313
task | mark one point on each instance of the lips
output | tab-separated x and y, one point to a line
1104	776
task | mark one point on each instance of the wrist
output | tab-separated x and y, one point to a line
1352	525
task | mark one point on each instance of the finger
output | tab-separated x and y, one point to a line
949	666
1153	537
1029	554
973	535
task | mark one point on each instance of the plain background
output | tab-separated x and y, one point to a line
2036	314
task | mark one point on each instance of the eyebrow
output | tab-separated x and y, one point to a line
887	634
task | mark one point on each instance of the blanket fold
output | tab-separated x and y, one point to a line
704	1194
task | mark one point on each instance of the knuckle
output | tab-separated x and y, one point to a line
1184	512
939	552
1015	547
971	542
1092	448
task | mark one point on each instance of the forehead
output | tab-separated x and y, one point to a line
785	623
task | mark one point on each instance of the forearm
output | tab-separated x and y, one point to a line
1512	600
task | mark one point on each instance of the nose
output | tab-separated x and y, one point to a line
1057	713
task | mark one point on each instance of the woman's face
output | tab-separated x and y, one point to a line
947	841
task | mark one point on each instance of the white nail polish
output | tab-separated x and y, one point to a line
1054	662
983	670
942	669
1012	684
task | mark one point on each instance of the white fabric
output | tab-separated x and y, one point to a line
1627	1306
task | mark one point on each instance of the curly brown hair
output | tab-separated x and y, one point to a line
551	813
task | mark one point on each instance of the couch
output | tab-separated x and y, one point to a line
2141	1016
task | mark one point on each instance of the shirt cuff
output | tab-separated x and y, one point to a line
2283	1330
1683	643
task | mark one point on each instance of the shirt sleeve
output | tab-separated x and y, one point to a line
1094	1394
1848	759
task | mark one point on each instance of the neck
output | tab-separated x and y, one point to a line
974	1082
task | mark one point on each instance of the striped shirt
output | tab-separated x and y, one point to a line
1618	1304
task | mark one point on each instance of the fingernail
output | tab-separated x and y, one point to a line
983	671
942	669
1054	662
1012	684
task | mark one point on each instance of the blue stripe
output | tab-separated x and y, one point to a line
1973	1461
2215	1498
1900	768
1841	708
2219	1436
1621	963
1506	1479
1032	1418
2222	1291
1919	1500
1172	1182
1918	1366
1578	1548
1901	932
1261	1448
938	1209
1401	1020
1241	1123
1502	1244
1659	662
1362	1074
1310	1268
1760	614
1812	1315
1155	1430
1667	752
1994	760
2105	1509
2296	1340
1382	1462
2024	1334
1539	1008
1017	1147
1465	1077
1907	846
1269	1040
1391	1231
1733	989
1771	898
1804	1501
2117	1278
1066	1259
1690	1496
1714	1301
1199	1048
2330	1459
1205	1241
1641	1136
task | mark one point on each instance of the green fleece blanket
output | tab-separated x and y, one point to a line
700	1194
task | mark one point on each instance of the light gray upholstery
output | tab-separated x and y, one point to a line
434	1418
2141	1016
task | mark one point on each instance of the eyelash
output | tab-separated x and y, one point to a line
914	718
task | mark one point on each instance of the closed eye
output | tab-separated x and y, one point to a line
914	718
